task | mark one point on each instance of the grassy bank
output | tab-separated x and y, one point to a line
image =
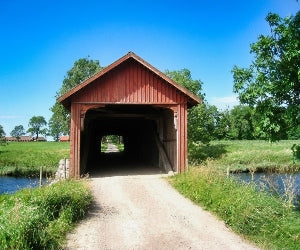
25	158
266	220
245	155
39	218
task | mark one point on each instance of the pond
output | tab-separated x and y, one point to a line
274	181
12	184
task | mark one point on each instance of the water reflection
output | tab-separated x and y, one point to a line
12	184
278	183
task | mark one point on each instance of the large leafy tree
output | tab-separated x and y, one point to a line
272	81
59	122
18	131
201	118
82	69
184	78
201	123
241	123
56	128
222	124
37	125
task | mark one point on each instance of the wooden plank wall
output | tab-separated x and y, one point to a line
182	138
129	83
170	137
75	141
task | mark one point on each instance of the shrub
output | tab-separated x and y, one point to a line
39	218
296	152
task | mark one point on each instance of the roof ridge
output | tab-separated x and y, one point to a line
121	60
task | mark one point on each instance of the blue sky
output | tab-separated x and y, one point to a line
40	40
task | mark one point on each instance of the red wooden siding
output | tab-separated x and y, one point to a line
75	141
130	83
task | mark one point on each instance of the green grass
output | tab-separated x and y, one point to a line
104	147
120	147
245	155
266	220
39	218
26	158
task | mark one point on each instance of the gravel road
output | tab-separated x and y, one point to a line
145	212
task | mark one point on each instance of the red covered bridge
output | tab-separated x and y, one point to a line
132	99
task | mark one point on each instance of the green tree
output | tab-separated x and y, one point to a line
294	133
59	122
2	136
37	126
55	128
272	82
82	69
201	118
222	125
2	133
184	78
241	123
201	123
18	131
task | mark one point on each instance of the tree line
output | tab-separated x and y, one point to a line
37	126
242	122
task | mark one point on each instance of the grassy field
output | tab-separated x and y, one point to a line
20	158
245	155
39	218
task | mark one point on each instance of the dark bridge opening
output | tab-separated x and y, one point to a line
112	143
137	125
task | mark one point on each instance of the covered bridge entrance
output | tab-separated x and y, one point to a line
132	99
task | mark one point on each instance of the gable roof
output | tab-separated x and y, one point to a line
192	99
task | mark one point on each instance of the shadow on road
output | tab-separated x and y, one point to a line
117	164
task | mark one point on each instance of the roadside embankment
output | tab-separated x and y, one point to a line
261	216
264	219
39	218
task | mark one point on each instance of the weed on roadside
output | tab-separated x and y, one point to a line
39	218
266	220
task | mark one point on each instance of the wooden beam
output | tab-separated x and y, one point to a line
162	154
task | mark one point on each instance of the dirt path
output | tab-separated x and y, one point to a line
145	212
111	148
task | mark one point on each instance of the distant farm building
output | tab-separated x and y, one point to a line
11	139
24	139
40	139
64	138
132	99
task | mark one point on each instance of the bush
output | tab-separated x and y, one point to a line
39	218
296	152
